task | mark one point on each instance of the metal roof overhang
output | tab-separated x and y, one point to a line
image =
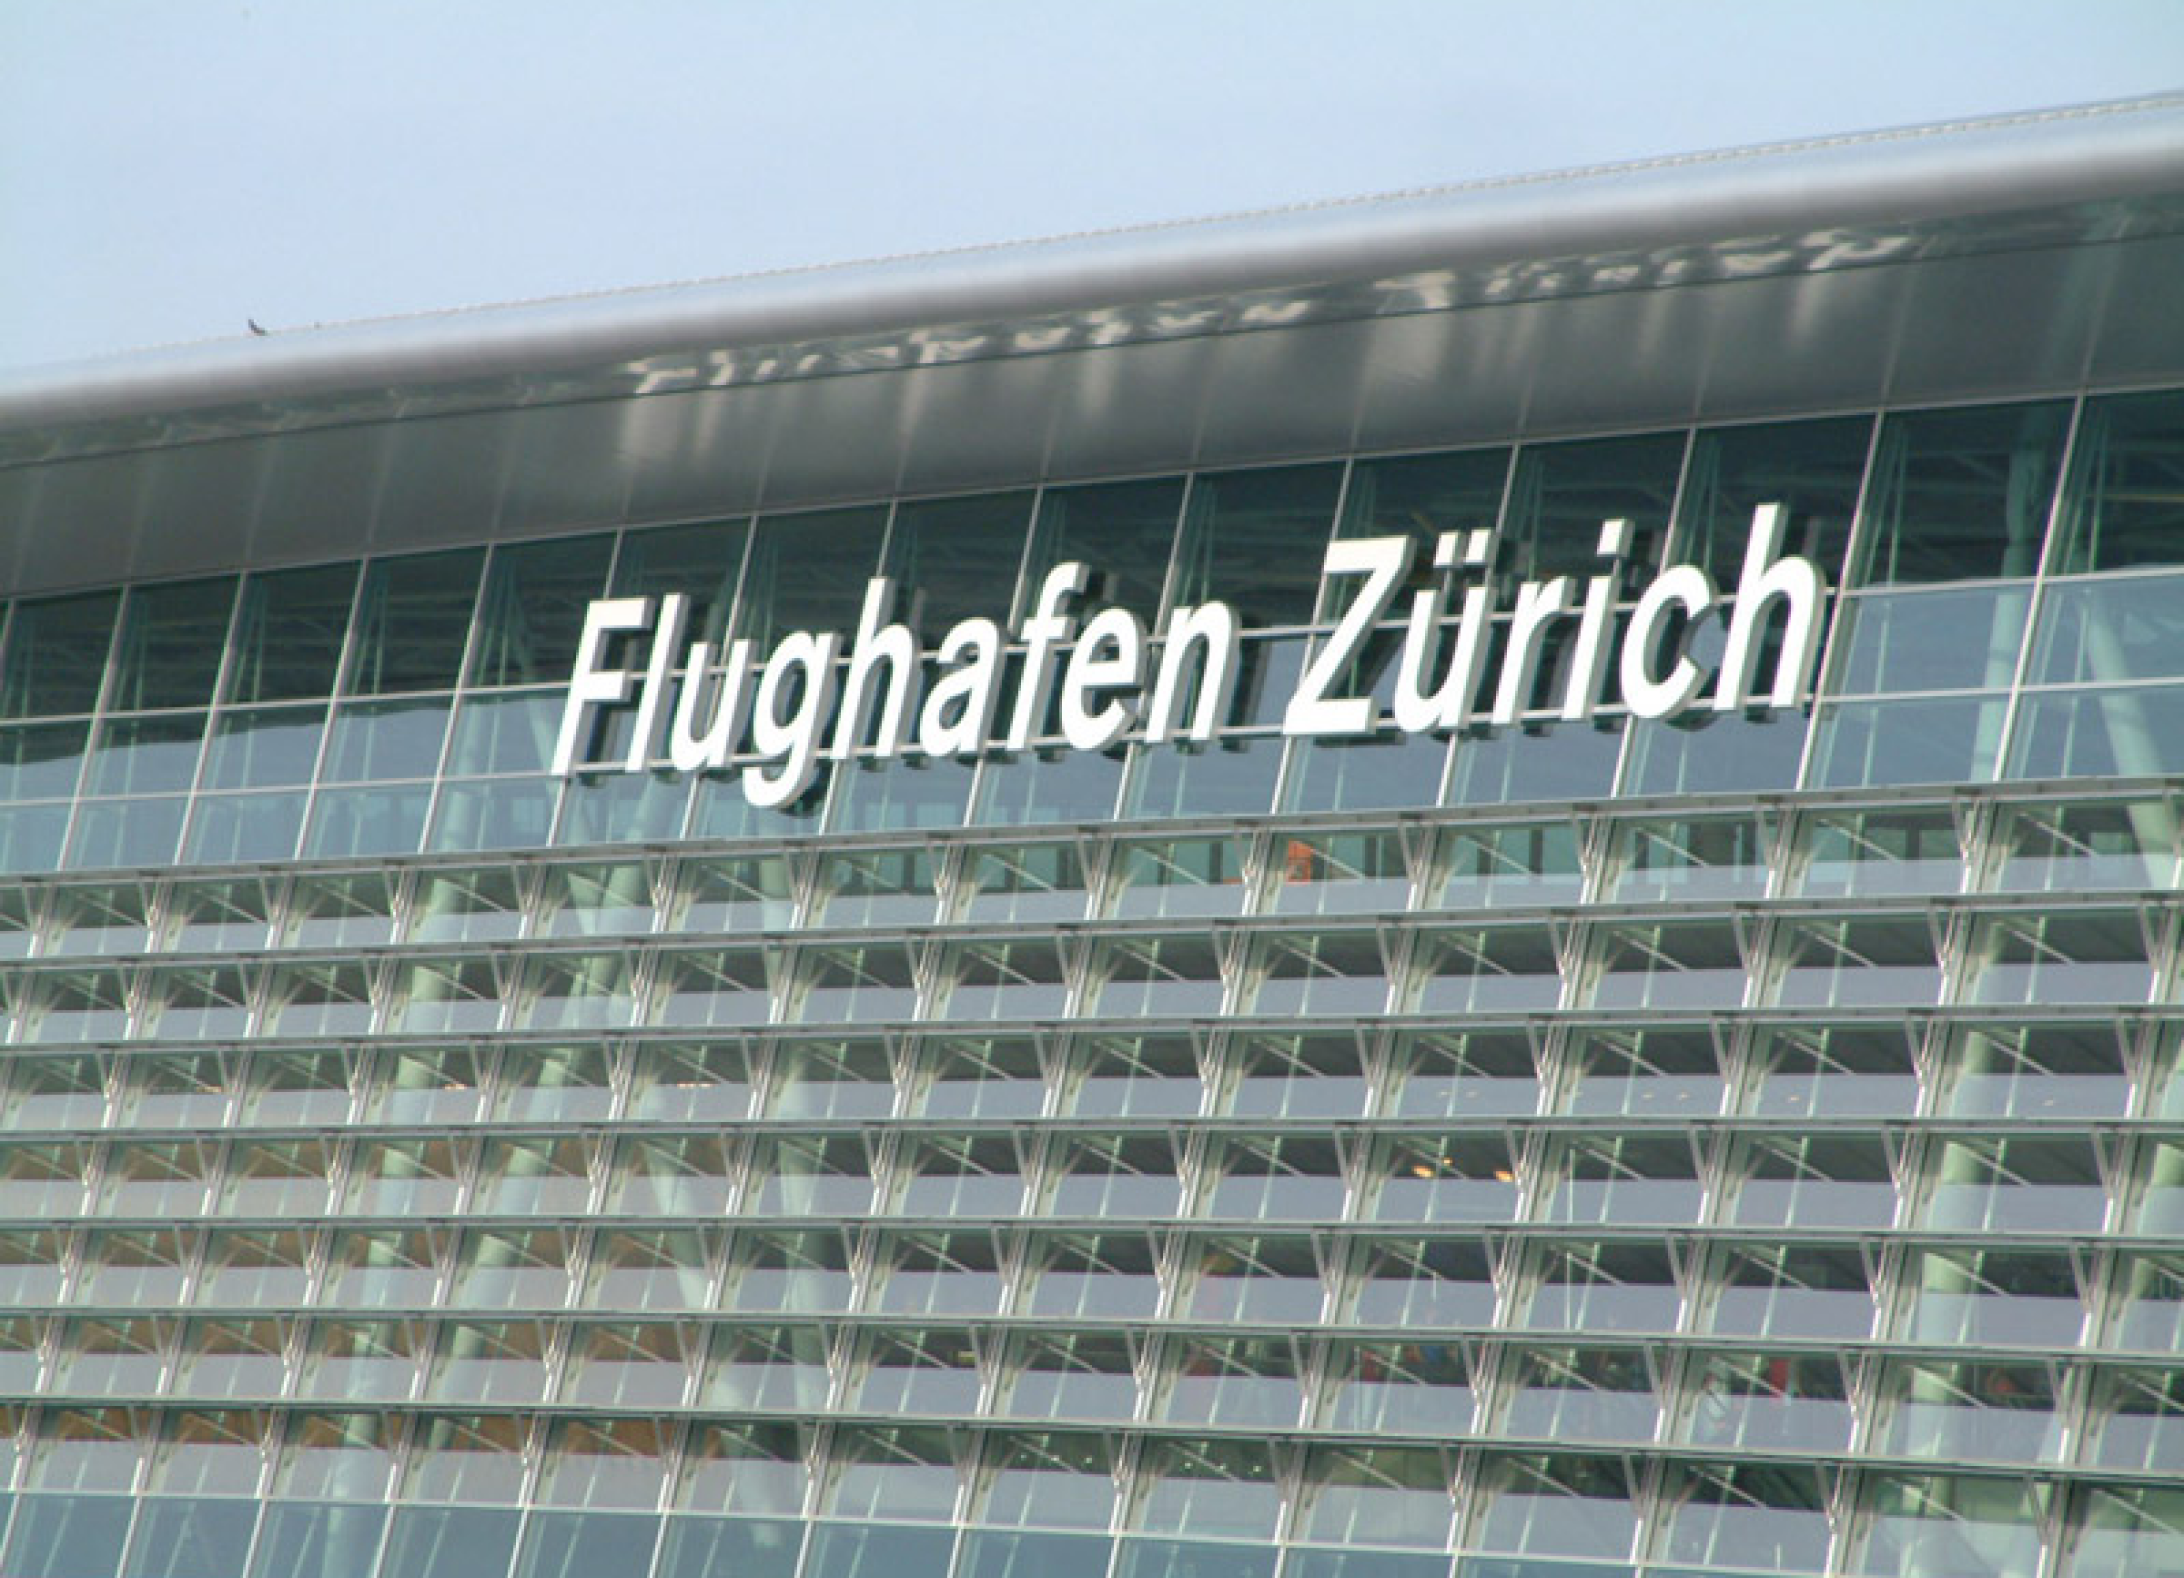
2036	253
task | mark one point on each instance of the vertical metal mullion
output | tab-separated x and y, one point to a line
1133	765
337	698
1019	597
1831	662
2014	703
471	640
1500	528
224	673
1627	749
100	705
1291	764
731	617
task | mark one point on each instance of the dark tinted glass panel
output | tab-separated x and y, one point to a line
1811	469
57	654
1425	495
1564	492
703	563
172	639
957	558
1124	531
413	621
1256	540
808	572
2125	504
288	642
1958	495
535	598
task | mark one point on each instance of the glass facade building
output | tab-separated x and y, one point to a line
1733	1144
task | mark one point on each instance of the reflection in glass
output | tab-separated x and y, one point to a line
56	654
412	621
288	637
172	639
2120	508
1961	494
1255	539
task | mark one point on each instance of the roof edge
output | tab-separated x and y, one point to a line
1958	170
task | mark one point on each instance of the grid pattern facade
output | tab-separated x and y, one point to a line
1573	1150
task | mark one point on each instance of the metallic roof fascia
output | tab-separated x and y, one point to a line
2063	157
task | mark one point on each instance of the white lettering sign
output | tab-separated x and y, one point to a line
1092	675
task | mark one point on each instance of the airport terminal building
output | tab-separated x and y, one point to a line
1482	884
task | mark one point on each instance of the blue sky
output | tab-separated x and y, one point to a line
170	169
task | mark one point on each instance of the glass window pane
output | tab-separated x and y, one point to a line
377	740
56	654
451	1542
413	620
263	748
146	755
195	1538
172	640
1125	531
1562	493
1255	540
1236	776
1958	495
126	833
41	761
957	558
702	563
2110	631
1958	639
2127	483
808	572
1812	469
372	821
1426	495
289	638
1951	740
67	1536
533	610
323	1540
2100	734
1365	775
